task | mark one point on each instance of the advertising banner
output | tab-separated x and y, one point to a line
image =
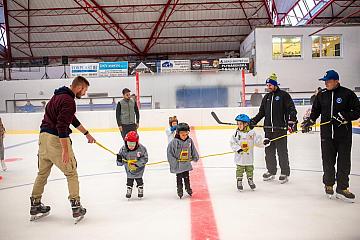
143	67
205	65
113	69
84	69
233	64
175	66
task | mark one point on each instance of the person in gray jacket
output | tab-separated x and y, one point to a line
180	152
133	156
127	113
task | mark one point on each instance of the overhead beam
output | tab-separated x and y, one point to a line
242	7
134	55
156	26
344	8
112	40
319	12
141	25
8	43
333	23
148	8
289	10
160	24
28	33
106	21
268	12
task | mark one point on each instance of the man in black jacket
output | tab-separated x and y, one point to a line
340	106
279	111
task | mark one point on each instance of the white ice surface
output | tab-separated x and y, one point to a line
296	210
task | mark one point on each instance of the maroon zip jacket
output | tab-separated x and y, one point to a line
60	113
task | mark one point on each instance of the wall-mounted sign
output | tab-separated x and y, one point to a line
84	69
113	69
175	65
233	64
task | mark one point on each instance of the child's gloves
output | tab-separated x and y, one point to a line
119	160
173	128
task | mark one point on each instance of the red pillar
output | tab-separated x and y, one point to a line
137	89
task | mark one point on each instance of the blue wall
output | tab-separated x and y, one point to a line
202	97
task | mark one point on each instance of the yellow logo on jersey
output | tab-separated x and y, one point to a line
184	155
131	164
245	147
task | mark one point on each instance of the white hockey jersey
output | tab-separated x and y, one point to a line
245	141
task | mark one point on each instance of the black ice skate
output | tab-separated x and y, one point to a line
329	191
38	210
345	195
140	191
187	186
268	176
251	183
239	184
78	210
128	192
189	191
3	165
283	179
180	192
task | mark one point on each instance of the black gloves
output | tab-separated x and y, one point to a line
292	126
119	160
306	125
338	119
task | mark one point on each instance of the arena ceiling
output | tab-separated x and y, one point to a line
143	28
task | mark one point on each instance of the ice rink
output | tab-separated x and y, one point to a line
217	210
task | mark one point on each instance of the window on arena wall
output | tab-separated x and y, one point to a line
285	47
326	46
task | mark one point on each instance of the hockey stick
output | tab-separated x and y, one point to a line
274	139
260	126
213	114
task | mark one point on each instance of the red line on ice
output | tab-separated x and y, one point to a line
203	223
13	159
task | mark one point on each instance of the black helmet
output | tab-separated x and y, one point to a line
182	127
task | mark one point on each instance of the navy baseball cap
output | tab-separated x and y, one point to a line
330	75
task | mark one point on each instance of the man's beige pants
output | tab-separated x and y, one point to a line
50	152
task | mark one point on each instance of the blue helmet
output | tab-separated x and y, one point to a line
243	118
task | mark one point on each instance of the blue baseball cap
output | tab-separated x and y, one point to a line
330	75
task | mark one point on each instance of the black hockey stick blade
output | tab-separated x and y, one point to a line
218	120
260	126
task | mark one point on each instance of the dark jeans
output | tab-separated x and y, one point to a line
139	182
127	128
179	180
279	146
336	151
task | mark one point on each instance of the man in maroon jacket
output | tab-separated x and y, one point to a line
55	147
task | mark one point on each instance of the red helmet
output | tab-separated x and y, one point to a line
132	136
